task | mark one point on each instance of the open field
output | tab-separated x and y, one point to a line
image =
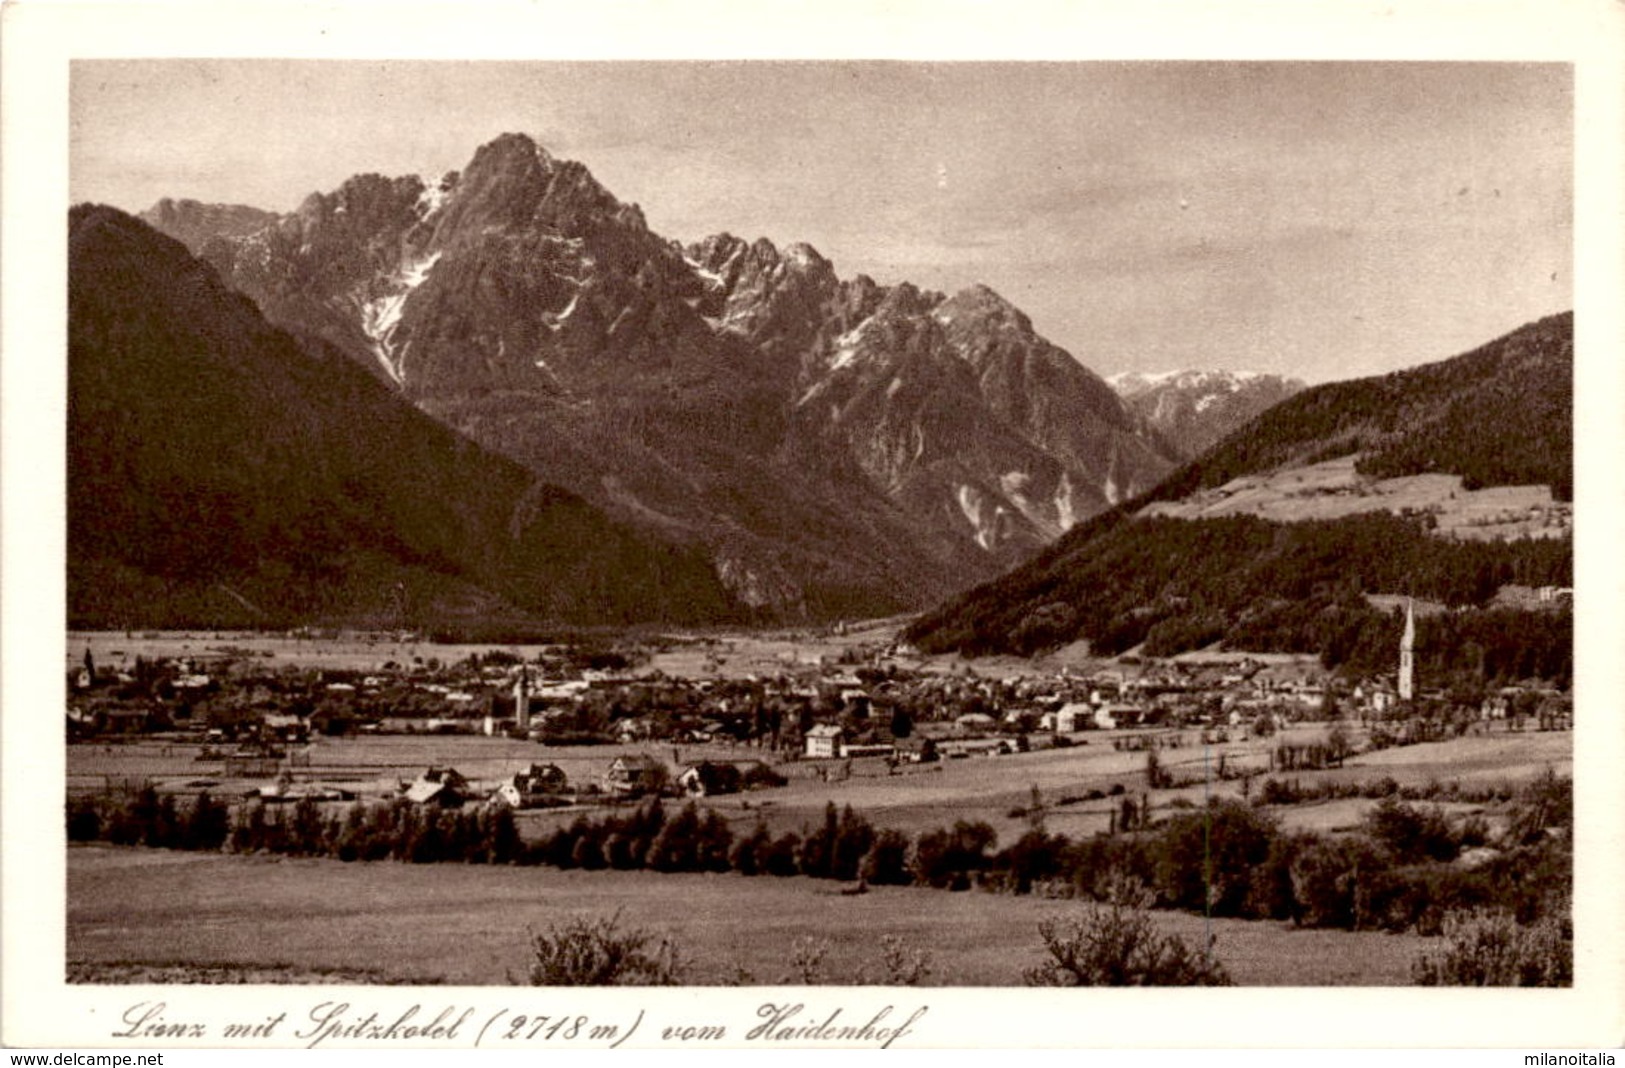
1333	489
913	799
135	912
722	654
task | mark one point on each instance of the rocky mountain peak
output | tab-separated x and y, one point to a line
1194	409
907	299
986	308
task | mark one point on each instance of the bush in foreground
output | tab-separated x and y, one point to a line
1493	949
1117	944
599	952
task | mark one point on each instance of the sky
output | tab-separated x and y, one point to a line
1320	220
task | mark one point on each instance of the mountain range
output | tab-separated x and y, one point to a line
1194	410
832	446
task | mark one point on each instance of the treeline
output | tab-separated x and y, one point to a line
384	830
1397	872
1264	586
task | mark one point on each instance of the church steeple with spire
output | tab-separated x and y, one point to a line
1407	655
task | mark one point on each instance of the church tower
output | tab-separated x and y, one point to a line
1407	655
521	698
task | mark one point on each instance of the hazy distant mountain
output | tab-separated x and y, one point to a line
838	446
221	473
1193	410
1498	416
193	223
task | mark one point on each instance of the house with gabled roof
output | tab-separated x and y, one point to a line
445	787
536	786
634	775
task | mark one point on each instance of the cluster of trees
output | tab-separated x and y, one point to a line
1279	791
844	846
143	816
1395	872
1264	586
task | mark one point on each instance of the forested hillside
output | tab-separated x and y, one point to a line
1500	415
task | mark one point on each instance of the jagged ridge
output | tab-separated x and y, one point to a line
837	445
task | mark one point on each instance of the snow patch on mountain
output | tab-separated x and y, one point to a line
381	316
434	195
556	322
846	347
1065	510
982	515
710	276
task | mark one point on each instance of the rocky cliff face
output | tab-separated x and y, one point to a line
1195	410
836	445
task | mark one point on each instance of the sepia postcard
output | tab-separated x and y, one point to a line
707	525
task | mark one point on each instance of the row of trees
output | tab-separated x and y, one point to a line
387	830
1228	859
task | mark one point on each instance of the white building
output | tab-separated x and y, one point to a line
825	741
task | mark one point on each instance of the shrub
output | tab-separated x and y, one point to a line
713	843
901	964
1204	860
886	863
1118	944
674	846
1034	856
853	837
807	959
598	952
1156	776
1411	833
947	858
588	854
84	822
1487	948
1270	894
750	852
817	857
1096	866
760	776
1543	806
1333	878
500	837
1423	897
781	857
